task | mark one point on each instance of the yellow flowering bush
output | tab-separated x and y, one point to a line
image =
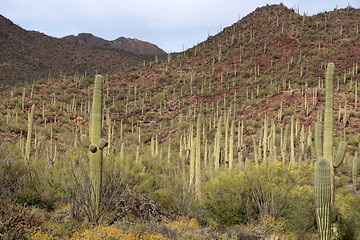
112	233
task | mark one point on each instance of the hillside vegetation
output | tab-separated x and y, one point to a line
238	137
26	56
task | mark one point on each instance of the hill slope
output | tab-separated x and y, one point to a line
29	55
272	55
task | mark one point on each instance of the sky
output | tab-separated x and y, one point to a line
173	25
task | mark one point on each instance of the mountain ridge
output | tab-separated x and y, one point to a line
26	56
128	44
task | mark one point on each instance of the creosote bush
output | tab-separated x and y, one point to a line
227	198
255	191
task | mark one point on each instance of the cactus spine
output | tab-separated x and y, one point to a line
95	138
322	190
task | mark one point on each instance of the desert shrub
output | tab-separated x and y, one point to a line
275	188
270	227
110	232
226	198
86	81
151	116
78	187
357	138
33	199
17	220
13	173
269	189
132	204
176	196
346	214
288	112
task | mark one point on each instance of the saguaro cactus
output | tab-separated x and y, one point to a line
322	190
329	116
29	133
231	145
217	144
96	143
325	148
355	168
197	161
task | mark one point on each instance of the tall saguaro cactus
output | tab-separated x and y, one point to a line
322	190
96	143
325	148
329	118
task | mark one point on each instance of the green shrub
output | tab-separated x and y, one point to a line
33	199
275	187
226	198
347	214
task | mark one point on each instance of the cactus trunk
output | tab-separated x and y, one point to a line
96	157
322	189
329	121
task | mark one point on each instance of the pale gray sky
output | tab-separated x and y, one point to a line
170	24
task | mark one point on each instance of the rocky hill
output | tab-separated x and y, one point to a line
26	56
132	45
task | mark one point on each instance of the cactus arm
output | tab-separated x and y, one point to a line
103	143
85	140
340	155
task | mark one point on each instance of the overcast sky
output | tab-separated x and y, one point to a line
170	24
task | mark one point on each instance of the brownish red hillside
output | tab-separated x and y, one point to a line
29	55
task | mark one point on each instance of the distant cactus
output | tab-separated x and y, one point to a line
355	169
96	143
192	162
231	145
197	161
322	191
29	133
292	147
284	144
217	144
